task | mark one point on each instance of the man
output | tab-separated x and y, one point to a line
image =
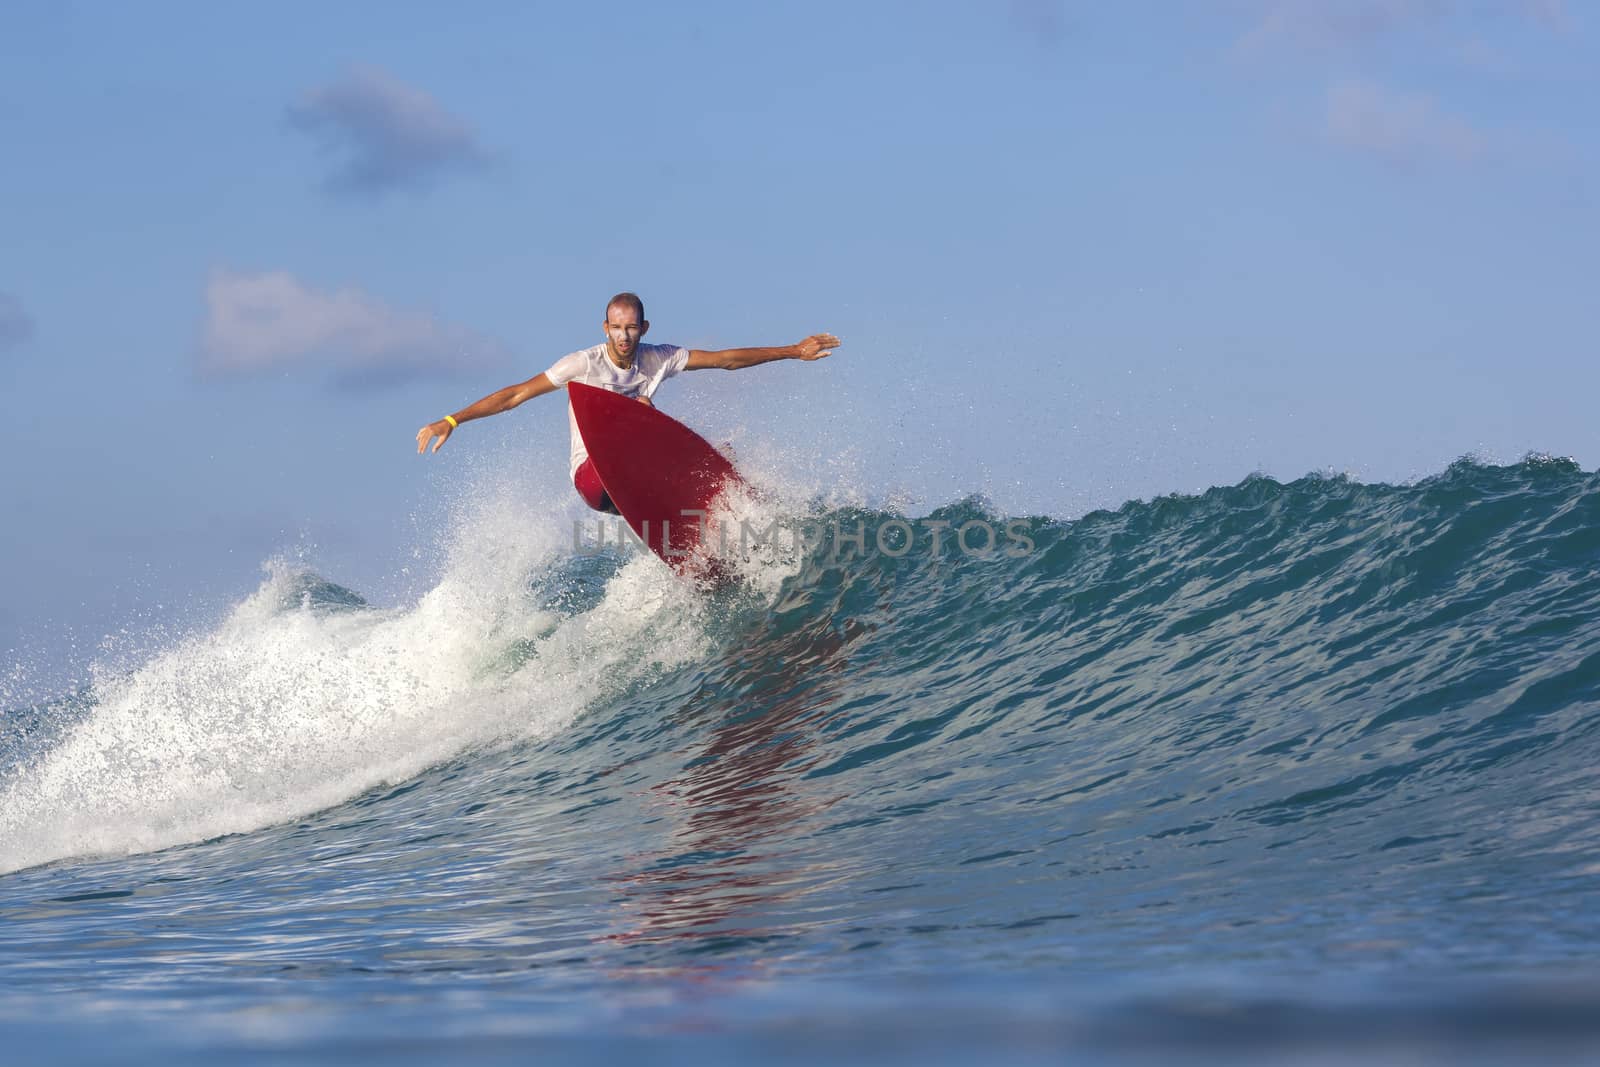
621	365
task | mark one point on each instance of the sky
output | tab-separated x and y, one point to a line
1077	253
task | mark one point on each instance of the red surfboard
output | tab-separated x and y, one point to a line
659	473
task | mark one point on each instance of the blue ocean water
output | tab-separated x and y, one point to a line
1279	768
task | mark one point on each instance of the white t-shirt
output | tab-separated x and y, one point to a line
652	364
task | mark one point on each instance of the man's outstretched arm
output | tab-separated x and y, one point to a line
493	404
816	346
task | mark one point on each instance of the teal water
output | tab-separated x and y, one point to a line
1305	765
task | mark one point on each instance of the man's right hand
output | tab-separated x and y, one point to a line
437	432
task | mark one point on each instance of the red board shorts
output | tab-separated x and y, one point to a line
587	482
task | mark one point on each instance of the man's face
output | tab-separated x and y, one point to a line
623	330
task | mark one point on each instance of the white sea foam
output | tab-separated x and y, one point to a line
290	706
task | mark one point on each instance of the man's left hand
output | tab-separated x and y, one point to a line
817	346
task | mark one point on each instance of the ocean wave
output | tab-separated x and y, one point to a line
1382	677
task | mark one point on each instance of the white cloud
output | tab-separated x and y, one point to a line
1553	13
1345	24
1043	20
1335	24
384	133
1400	127
16	326
269	321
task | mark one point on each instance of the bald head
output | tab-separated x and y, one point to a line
630	301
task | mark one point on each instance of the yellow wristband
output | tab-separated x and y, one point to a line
451	419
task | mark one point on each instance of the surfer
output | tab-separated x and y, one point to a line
621	365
